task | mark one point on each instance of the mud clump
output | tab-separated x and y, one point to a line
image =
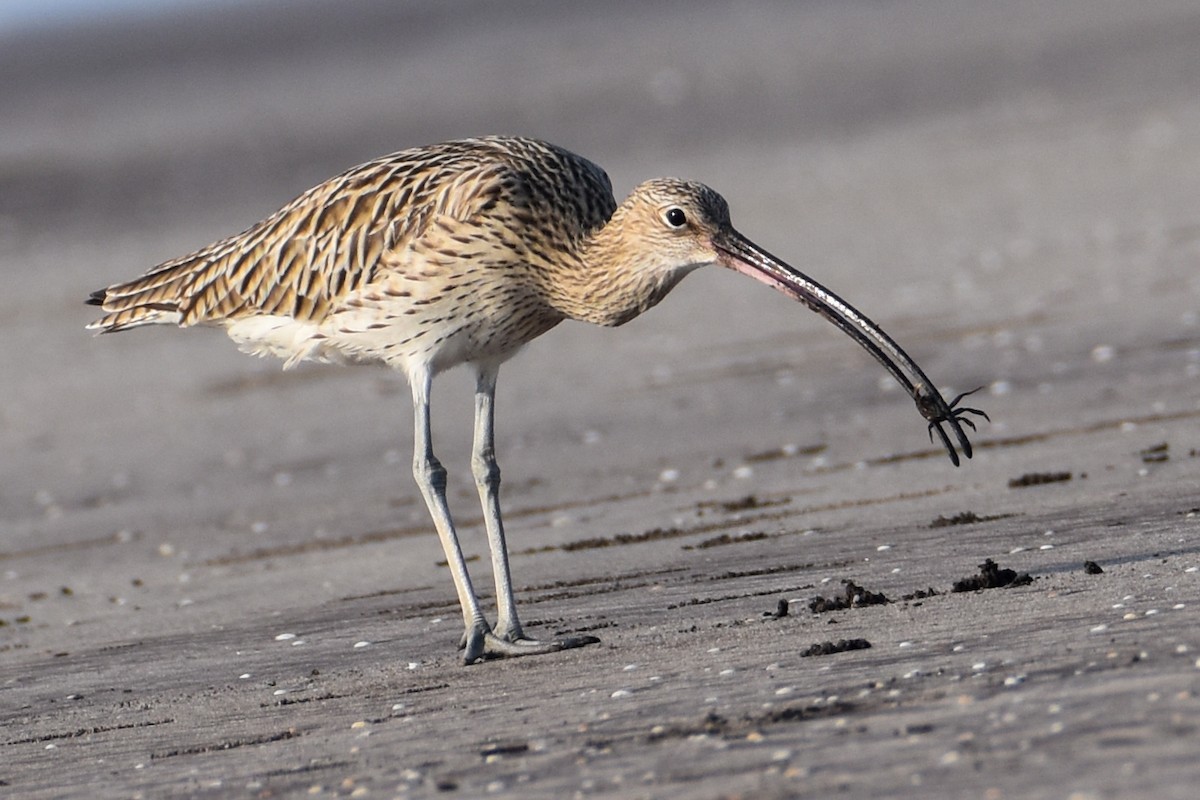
781	610
725	538
992	576
853	596
1156	454
1038	478
965	518
652	535
829	648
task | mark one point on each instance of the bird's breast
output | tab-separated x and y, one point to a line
437	320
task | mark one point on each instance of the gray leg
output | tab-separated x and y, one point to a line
431	478
509	640
487	479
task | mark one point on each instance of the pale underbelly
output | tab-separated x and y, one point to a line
408	338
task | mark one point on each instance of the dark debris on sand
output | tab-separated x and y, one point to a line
964	518
853	596
1156	454
1038	478
829	648
992	576
781	610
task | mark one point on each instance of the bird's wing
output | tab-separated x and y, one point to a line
325	244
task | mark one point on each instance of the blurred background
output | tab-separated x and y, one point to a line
1009	188
161	114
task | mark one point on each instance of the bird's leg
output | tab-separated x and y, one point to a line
508	638
487	480
431	478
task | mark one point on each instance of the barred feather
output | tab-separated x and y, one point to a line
432	256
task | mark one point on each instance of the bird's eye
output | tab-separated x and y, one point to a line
675	217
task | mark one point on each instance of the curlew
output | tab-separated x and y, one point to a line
460	253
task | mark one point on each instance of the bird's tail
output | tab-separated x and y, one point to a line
124	315
157	298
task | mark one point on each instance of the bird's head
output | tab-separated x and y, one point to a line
669	227
675	226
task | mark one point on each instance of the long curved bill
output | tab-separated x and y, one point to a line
740	254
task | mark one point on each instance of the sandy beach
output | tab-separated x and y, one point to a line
218	579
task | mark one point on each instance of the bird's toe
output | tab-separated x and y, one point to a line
499	647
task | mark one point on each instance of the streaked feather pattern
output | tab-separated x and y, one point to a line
417	215
461	253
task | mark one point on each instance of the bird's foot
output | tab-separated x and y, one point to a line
482	644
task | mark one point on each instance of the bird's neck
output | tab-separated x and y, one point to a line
609	283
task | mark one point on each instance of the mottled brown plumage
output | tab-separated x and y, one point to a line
390	239
461	253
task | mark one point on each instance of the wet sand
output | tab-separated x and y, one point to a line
218	579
